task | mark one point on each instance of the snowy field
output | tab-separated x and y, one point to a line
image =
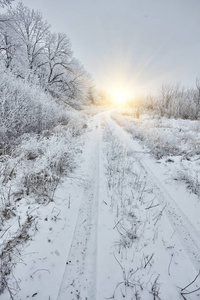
106	207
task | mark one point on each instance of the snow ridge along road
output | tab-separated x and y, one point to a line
188	235
79	279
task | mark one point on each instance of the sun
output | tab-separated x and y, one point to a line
119	97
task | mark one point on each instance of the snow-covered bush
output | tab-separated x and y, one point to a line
189	172
23	109
38	164
163	136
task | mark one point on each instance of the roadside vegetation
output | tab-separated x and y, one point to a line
149	257
169	126
41	87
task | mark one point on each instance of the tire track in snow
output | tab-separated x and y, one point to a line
79	279
185	231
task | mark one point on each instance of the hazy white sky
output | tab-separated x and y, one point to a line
137	44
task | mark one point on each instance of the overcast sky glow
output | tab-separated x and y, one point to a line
137	44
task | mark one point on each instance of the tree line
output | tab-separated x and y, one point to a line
174	101
39	74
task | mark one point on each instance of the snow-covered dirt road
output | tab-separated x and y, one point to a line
79	279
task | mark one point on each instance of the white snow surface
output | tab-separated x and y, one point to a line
120	228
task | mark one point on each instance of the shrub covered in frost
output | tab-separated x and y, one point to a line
24	109
38	164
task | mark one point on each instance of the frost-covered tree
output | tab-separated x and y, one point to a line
8	42
198	91
58	56
46	56
176	101
5	2
57	63
62	74
31	31
168	92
